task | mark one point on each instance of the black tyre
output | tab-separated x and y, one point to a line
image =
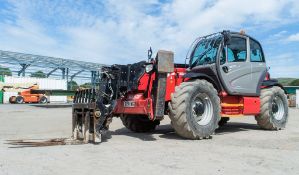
139	123
19	99
43	100
274	109
223	121
12	99
195	109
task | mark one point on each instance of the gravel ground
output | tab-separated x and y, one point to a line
240	147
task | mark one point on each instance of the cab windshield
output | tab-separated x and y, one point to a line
205	51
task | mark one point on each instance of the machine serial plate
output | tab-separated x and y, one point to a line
129	104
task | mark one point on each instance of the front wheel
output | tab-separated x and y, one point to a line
43	100
195	109
274	109
139	123
19	99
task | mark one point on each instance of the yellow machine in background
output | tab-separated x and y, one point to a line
24	93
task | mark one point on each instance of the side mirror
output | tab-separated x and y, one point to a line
187	60
149	54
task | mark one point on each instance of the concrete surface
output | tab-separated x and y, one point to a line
238	148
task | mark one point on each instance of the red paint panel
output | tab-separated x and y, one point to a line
143	82
174	79
238	105
170	85
143	106
231	105
251	105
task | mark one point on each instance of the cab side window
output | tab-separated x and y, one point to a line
237	50
256	54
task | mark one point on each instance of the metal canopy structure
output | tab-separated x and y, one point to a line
22	64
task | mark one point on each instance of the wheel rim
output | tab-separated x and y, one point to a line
277	108
202	109
43	100
19	100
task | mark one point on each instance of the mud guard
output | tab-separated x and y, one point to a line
272	82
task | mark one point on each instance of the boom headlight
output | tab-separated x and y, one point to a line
149	68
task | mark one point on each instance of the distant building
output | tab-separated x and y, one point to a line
291	89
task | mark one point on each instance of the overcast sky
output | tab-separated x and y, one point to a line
121	31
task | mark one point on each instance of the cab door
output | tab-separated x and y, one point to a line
235	69
258	65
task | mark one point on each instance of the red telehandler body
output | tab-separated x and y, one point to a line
226	77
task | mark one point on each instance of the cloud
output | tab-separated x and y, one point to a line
294	8
283	65
121	31
294	37
276	37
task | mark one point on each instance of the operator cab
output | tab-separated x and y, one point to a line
231	61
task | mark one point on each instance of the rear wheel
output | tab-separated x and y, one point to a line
274	109
12	99
139	123
43	100
195	109
19	99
